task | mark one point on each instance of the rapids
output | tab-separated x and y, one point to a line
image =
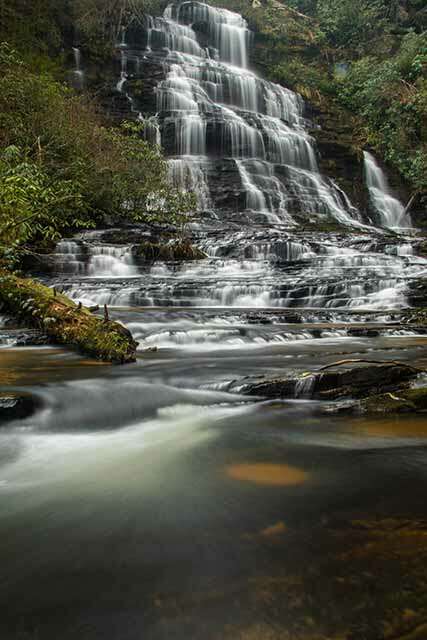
242	145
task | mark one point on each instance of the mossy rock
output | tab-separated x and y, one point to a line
407	401
63	321
172	252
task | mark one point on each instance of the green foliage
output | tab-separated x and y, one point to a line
138	179
35	26
62	169
351	23
306	78
31	202
305	6
391	97
98	23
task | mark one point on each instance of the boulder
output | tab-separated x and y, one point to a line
358	381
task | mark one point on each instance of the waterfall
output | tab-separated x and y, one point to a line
390	211
123	36
242	145
151	129
98	261
189	174
211	106
123	72
78	72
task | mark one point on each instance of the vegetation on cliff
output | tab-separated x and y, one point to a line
62	168
373	63
41	28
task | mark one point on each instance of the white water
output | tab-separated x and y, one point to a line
98	261
78	71
391	211
215	107
242	145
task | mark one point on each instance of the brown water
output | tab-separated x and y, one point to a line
145	502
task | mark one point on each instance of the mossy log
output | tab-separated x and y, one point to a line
65	322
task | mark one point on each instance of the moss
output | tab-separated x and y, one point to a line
417	317
172	252
407	401
65	322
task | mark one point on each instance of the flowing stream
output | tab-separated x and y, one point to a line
149	501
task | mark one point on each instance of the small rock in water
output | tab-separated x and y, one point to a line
16	406
291	318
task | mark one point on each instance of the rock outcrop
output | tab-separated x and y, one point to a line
353	380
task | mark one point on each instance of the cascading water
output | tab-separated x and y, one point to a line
211	106
78	72
94	260
164	484
123	72
241	144
390	211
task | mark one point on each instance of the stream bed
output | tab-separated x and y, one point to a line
146	502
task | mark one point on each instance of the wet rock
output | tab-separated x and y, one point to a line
258	318
291	318
349	382
415	317
363	332
417	292
405	401
137	234
32	339
16	406
171	252
23	338
39	263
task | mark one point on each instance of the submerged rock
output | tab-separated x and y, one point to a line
16	406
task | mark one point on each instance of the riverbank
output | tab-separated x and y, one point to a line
65	322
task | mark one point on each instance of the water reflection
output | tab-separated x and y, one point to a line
275	475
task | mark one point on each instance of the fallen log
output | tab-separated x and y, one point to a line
65	322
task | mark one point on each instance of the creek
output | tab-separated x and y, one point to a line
147	501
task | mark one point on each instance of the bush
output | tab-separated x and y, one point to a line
391	97
62	169
302	76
